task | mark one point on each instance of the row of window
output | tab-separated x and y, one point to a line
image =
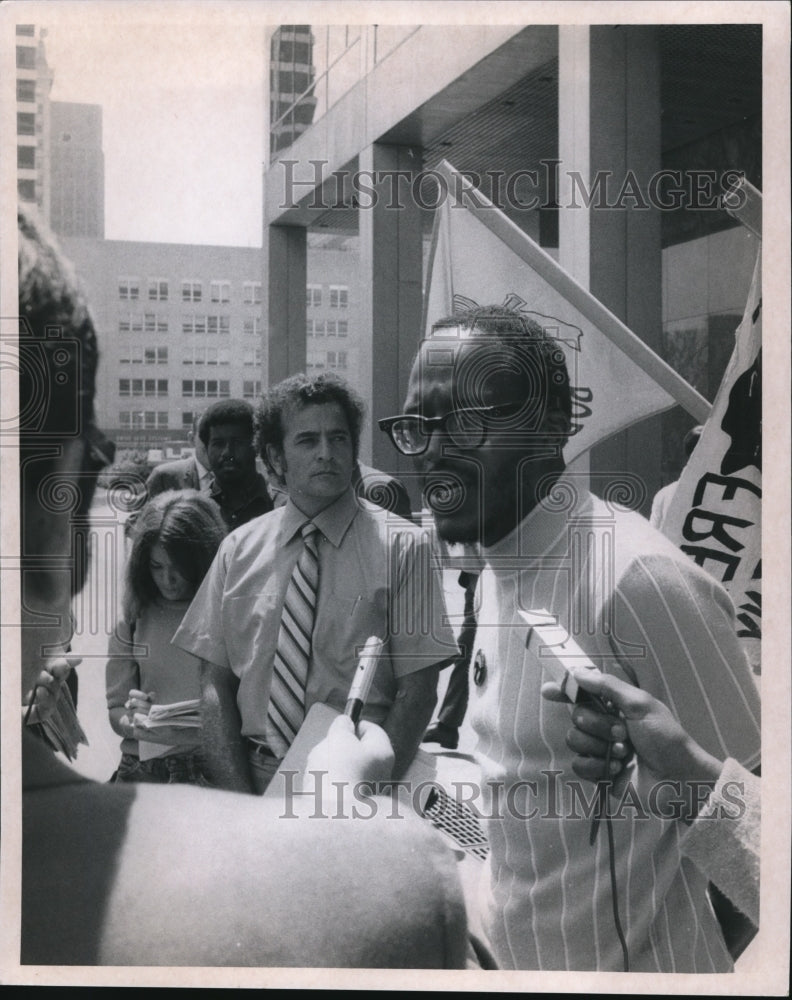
139	354
334	360
150	419
158	323
338	296
329	327
26	123
130	289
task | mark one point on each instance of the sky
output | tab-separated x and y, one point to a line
183	118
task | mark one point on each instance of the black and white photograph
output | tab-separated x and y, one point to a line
382	435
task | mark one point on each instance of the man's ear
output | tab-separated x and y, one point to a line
275	459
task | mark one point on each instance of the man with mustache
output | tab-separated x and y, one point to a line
486	417
239	489
375	578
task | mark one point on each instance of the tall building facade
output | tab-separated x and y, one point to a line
33	84
564	104
76	169
291	75
180	327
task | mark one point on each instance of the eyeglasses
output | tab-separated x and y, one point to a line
467	427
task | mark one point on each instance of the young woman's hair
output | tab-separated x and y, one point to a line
190	528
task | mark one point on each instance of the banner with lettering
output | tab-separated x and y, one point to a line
716	512
480	257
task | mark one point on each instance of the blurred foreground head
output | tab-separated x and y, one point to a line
61	450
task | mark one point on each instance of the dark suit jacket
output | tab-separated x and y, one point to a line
179	475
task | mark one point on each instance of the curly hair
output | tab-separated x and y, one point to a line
537	355
304	390
225	411
190	528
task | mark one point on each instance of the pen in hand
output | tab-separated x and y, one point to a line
364	675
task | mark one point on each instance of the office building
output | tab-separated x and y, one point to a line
180	327
77	169
33	84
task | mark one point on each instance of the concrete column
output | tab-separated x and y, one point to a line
625	251
391	296
283	304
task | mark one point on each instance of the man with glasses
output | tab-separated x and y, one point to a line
486	418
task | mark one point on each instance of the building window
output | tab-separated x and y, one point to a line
155	355
26	91
319	327
206	388
157	290
331	328
251	356
251	326
26	189
187	420
25	57
143	387
251	389
26	29
342	360
218	324
150	419
192	291
155	323
128	289
343	328
26	157
251	292
220	291
26	123
313	295
339	295
193	324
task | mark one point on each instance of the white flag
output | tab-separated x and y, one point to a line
716	512
479	254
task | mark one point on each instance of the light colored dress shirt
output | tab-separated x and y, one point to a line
377	577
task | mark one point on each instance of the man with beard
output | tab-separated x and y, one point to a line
486	417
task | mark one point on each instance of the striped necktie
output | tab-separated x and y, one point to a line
293	651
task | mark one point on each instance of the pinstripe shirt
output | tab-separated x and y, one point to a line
641	609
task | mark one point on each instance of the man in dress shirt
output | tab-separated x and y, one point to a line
239	489
376	578
486	417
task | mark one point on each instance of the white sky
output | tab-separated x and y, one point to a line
183	119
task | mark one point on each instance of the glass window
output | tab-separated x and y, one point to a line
313	295
251	292
220	291
331	328
26	189
187	419
342	359
26	90
343	327
26	157
25	57
123	387
26	123
157	290
125	418
251	389
339	296
319	327
192	291
128	289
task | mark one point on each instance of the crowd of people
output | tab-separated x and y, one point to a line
256	571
